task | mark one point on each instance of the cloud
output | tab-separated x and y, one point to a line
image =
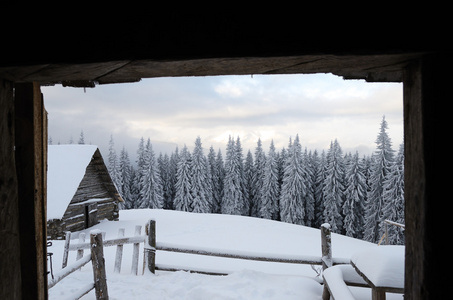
319	107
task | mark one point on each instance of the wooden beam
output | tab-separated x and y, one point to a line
427	84
10	273
31	168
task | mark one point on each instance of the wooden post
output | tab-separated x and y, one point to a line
119	252
81	241
134	268
10	258
66	249
98	262
326	258
150	248
31	161
326	246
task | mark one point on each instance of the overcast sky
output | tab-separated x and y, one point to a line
320	108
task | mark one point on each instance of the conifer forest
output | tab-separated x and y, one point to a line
353	193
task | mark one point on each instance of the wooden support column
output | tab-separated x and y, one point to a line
31	168
10	273
427	122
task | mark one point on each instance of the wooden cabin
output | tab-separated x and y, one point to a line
80	191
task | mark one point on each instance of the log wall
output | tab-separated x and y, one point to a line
92	202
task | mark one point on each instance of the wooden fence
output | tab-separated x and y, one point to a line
385	235
324	259
119	242
97	258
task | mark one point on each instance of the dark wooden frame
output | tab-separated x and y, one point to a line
184	44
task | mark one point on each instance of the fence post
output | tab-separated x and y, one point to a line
150	249
119	252
98	262
66	249
134	268
326	248
81	240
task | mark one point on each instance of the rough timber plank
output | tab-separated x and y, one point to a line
9	209
386	67
29	155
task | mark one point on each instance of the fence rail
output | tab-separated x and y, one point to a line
97	259
385	235
291	259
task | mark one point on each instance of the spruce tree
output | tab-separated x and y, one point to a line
319	166
270	191
393	195
201	189
381	166
81	138
333	189
125	173
353	206
183	198
249	179
172	174
164	169
257	185
293	187
220	179
309	198
113	166
233	196
151	194
215	181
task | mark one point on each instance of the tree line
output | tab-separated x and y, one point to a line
353	194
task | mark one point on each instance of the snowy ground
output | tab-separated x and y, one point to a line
247	279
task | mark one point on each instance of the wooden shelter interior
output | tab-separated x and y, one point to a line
90	47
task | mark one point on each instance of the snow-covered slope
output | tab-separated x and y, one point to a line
248	279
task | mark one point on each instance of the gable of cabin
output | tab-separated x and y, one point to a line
96	199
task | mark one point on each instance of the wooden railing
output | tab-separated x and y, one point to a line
97	258
385	235
325	258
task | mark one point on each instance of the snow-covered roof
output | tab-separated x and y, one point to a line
66	167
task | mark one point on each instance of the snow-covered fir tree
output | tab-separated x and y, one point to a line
333	189
201	188
310	185
220	178
183	198
172	177
125	173
249	180
113	166
353	206
151	195
257	185
393	195
164	169
81	138
233	195
215	180
292	208
270	192
318	163
383	159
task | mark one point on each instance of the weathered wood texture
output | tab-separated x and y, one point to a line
10	272
98	262
427	86
83	213
31	161
326	251
370	67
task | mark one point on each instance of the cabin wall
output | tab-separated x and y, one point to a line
91	203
